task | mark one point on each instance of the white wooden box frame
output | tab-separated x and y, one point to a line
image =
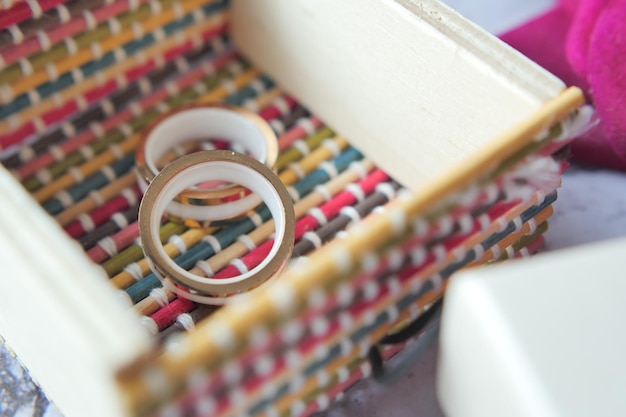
435	90
499	357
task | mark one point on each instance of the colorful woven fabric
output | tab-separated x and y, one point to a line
51	95
133	119
127	42
61	14
44	38
73	46
114	94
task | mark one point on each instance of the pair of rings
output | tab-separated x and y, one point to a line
243	183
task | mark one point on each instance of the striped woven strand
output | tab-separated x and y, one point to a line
89	76
59	15
57	110
27	9
123	44
51	180
43	39
59	143
87	225
86	39
97	216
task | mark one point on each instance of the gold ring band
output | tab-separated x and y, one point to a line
195	122
215	165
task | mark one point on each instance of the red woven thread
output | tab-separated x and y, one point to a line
250	260
122	239
22	11
167	315
297	132
101	214
273	111
534	246
344	198
68	109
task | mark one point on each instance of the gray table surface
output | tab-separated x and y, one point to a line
591	207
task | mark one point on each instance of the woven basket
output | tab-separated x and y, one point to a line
80	307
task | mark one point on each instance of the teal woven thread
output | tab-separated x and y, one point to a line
81	190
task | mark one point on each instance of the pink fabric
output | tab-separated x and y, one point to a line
584	43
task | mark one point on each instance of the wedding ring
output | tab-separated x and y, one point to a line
245	130
215	165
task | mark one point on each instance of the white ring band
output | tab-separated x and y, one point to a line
208	166
196	122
